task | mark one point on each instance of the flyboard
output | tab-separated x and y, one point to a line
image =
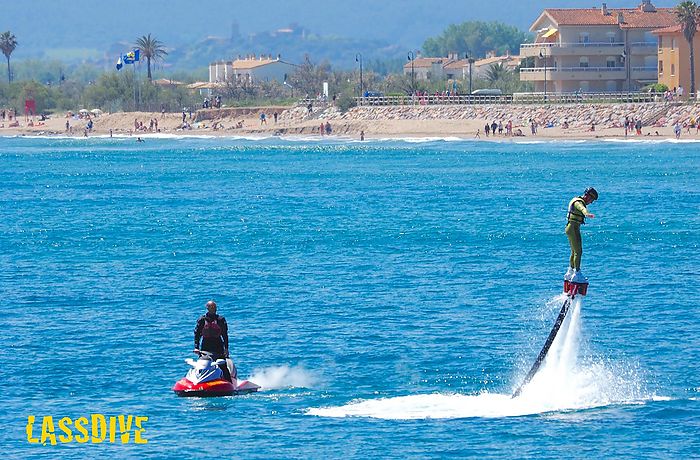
572	290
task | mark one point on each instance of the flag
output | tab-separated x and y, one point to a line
120	63
132	56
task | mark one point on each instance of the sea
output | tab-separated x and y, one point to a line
389	296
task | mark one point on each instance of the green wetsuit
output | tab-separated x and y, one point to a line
576	217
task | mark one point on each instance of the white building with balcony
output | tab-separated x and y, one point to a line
594	49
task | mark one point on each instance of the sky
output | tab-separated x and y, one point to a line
96	24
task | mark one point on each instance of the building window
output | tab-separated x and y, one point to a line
611	37
673	44
661	67
673	70
611	61
583	37
584	86
583	61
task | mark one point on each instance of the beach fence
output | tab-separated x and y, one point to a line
516	98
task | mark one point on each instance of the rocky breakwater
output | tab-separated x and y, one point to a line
575	115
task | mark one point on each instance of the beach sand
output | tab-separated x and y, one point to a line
348	125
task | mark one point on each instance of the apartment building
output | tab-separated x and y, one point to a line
594	49
674	57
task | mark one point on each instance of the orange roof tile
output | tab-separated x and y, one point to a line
243	64
634	18
427	62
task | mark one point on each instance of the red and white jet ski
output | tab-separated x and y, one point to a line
206	379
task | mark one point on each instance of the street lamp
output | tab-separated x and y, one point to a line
412	57
543	55
358	58
471	61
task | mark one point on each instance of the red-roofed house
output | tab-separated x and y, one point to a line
595	49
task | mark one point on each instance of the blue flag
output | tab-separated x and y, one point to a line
120	64
132	56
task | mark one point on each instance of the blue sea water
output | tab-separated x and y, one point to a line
388	295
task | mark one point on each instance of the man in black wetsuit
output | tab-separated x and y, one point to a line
213	331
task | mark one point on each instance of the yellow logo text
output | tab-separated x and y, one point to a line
95	429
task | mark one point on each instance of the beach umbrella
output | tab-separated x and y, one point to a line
83	111
96	111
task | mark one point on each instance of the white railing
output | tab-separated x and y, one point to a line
571	69
572	45
645	69
517	98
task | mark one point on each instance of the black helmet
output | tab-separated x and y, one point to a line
590	191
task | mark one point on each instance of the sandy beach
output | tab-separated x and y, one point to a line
565	121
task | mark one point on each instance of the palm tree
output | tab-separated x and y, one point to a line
688	15
496	72
151	48
8	43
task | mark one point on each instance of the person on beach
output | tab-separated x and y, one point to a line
212	330
487	128
263	119
576	216
478	134
677	129
362	135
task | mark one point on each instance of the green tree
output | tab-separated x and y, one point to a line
476	38
688	15
8	43
151	49
496	72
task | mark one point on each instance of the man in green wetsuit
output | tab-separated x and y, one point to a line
576	216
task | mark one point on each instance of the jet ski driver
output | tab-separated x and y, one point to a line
213	331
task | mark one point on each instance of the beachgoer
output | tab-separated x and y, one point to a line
275	115
263	118
212	329
138	139
328	128
677	130
576	216
487	128
478	134
362	135
494	127
67	125
110	132
322	129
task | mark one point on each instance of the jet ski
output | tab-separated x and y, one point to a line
206	379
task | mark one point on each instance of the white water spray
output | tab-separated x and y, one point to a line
566	381
276	377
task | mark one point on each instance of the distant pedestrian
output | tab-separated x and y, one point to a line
487	128
263	118
275	116
322	129
677	129
328	128
478	134
362	135
162	111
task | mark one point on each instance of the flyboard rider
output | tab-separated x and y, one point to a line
576	216
213	331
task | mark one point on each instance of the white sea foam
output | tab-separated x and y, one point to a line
565	382
276	377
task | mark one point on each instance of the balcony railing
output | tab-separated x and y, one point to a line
645	69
